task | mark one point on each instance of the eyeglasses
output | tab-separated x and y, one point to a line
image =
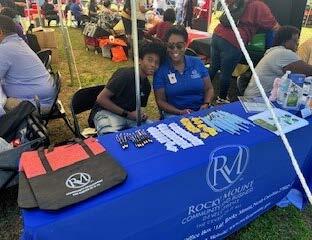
178	45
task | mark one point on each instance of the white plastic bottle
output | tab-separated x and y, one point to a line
306	89
283	88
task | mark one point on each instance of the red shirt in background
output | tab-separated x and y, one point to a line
160	30
257	15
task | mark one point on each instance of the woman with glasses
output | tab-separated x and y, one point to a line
181	84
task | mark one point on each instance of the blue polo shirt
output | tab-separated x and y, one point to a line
184	90
22	73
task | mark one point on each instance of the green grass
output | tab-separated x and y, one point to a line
277	224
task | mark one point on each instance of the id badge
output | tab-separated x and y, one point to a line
172	78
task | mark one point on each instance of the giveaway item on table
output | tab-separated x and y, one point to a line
197	125
293	97
288	121
174	137
139	138
252	104
228	122
55	178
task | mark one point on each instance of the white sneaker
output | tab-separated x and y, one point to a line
220	101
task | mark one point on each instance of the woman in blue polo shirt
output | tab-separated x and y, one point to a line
182	83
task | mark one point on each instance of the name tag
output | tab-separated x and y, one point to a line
172	78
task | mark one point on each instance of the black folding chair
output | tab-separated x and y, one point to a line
190	52
37	135
45	55
57	110
83	100
46	58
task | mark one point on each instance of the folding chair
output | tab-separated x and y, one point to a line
37	134
190	52
46	58
83	100
57	110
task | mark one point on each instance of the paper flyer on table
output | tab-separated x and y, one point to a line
288	121
253	104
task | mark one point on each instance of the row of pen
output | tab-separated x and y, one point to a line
191	132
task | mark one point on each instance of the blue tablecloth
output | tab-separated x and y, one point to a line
205	192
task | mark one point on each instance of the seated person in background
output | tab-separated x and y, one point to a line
115	107
22	73
305	51
93	8
277	60
182	83
161	28
11	13
76	11
49	12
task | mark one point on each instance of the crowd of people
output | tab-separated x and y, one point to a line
181	83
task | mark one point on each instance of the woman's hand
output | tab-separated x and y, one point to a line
204	106
185	111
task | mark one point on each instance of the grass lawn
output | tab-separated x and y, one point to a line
287	223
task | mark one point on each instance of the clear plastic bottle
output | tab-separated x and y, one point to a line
283	88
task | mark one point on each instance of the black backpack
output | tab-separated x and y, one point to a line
237	9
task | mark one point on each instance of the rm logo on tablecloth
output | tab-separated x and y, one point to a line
226	165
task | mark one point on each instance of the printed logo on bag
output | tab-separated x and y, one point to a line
78	180
226	166
82	183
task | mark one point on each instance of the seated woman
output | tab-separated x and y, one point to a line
49	12
161	28
182	83
277	60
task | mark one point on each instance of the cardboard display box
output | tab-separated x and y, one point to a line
46	38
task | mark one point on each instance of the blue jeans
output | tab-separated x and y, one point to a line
224	57
108	122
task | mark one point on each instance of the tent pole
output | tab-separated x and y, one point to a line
136	60
65	41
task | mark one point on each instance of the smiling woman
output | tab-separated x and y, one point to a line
182	83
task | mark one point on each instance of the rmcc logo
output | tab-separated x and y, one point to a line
226	165
78	180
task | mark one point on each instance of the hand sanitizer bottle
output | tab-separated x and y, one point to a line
283	88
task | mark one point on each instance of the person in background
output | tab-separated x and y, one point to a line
277	60
76	10
188	12
251	15
161	28
11	13
305	51
160	6
179	11
115	107
67	8
49	12
93	8
181	84
22	74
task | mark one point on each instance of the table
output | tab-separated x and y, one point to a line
205	192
